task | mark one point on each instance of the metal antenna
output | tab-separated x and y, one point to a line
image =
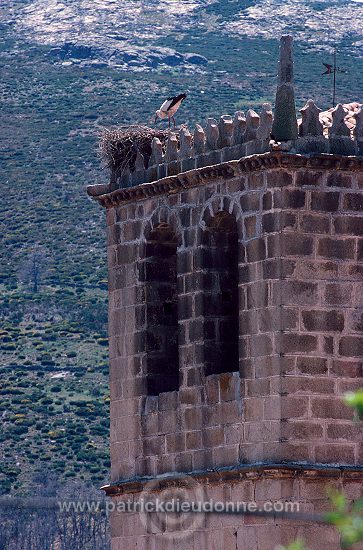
333	69
334	76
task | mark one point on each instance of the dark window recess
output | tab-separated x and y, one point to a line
226	296
221	311
162	311
168	308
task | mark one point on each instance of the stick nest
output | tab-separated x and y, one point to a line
119	146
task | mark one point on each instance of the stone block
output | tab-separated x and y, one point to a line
328	407
256	250
295	292
293	198
212	158
351	346
341	249
344	431
228	386
312	144
338	294
187	164
173	168
349	225
341	145
234	152
175	442
323	321
224	456
347	368
278	178
339	179
353	201
213	437
291	246
312	223
298	343
250	202
267	201
325	201
312	365
309	178
193	440
336	454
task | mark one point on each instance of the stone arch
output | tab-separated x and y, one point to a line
163	216
220	203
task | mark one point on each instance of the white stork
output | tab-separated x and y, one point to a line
169	108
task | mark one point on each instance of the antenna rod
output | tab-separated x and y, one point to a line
334	76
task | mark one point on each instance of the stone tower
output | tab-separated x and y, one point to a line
235	325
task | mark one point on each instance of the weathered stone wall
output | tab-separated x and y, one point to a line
233	532
299	262
300	333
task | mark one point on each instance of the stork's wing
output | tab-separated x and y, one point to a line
174	100
166	105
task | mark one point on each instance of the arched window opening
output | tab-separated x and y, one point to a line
221	309
162	311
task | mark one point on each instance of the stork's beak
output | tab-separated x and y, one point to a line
156	119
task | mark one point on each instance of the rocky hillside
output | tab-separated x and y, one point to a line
69	69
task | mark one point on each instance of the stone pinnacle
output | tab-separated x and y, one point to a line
285	123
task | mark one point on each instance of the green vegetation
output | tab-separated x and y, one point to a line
355	400
296	545
348	519
55	403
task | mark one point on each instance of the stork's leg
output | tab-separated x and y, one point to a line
169	122
174	123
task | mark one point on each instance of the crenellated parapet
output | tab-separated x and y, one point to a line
233	138
338	131
334	136
230	138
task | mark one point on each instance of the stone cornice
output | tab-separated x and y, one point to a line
239	473
223	171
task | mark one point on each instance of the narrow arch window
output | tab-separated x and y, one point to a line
220	297
162	311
